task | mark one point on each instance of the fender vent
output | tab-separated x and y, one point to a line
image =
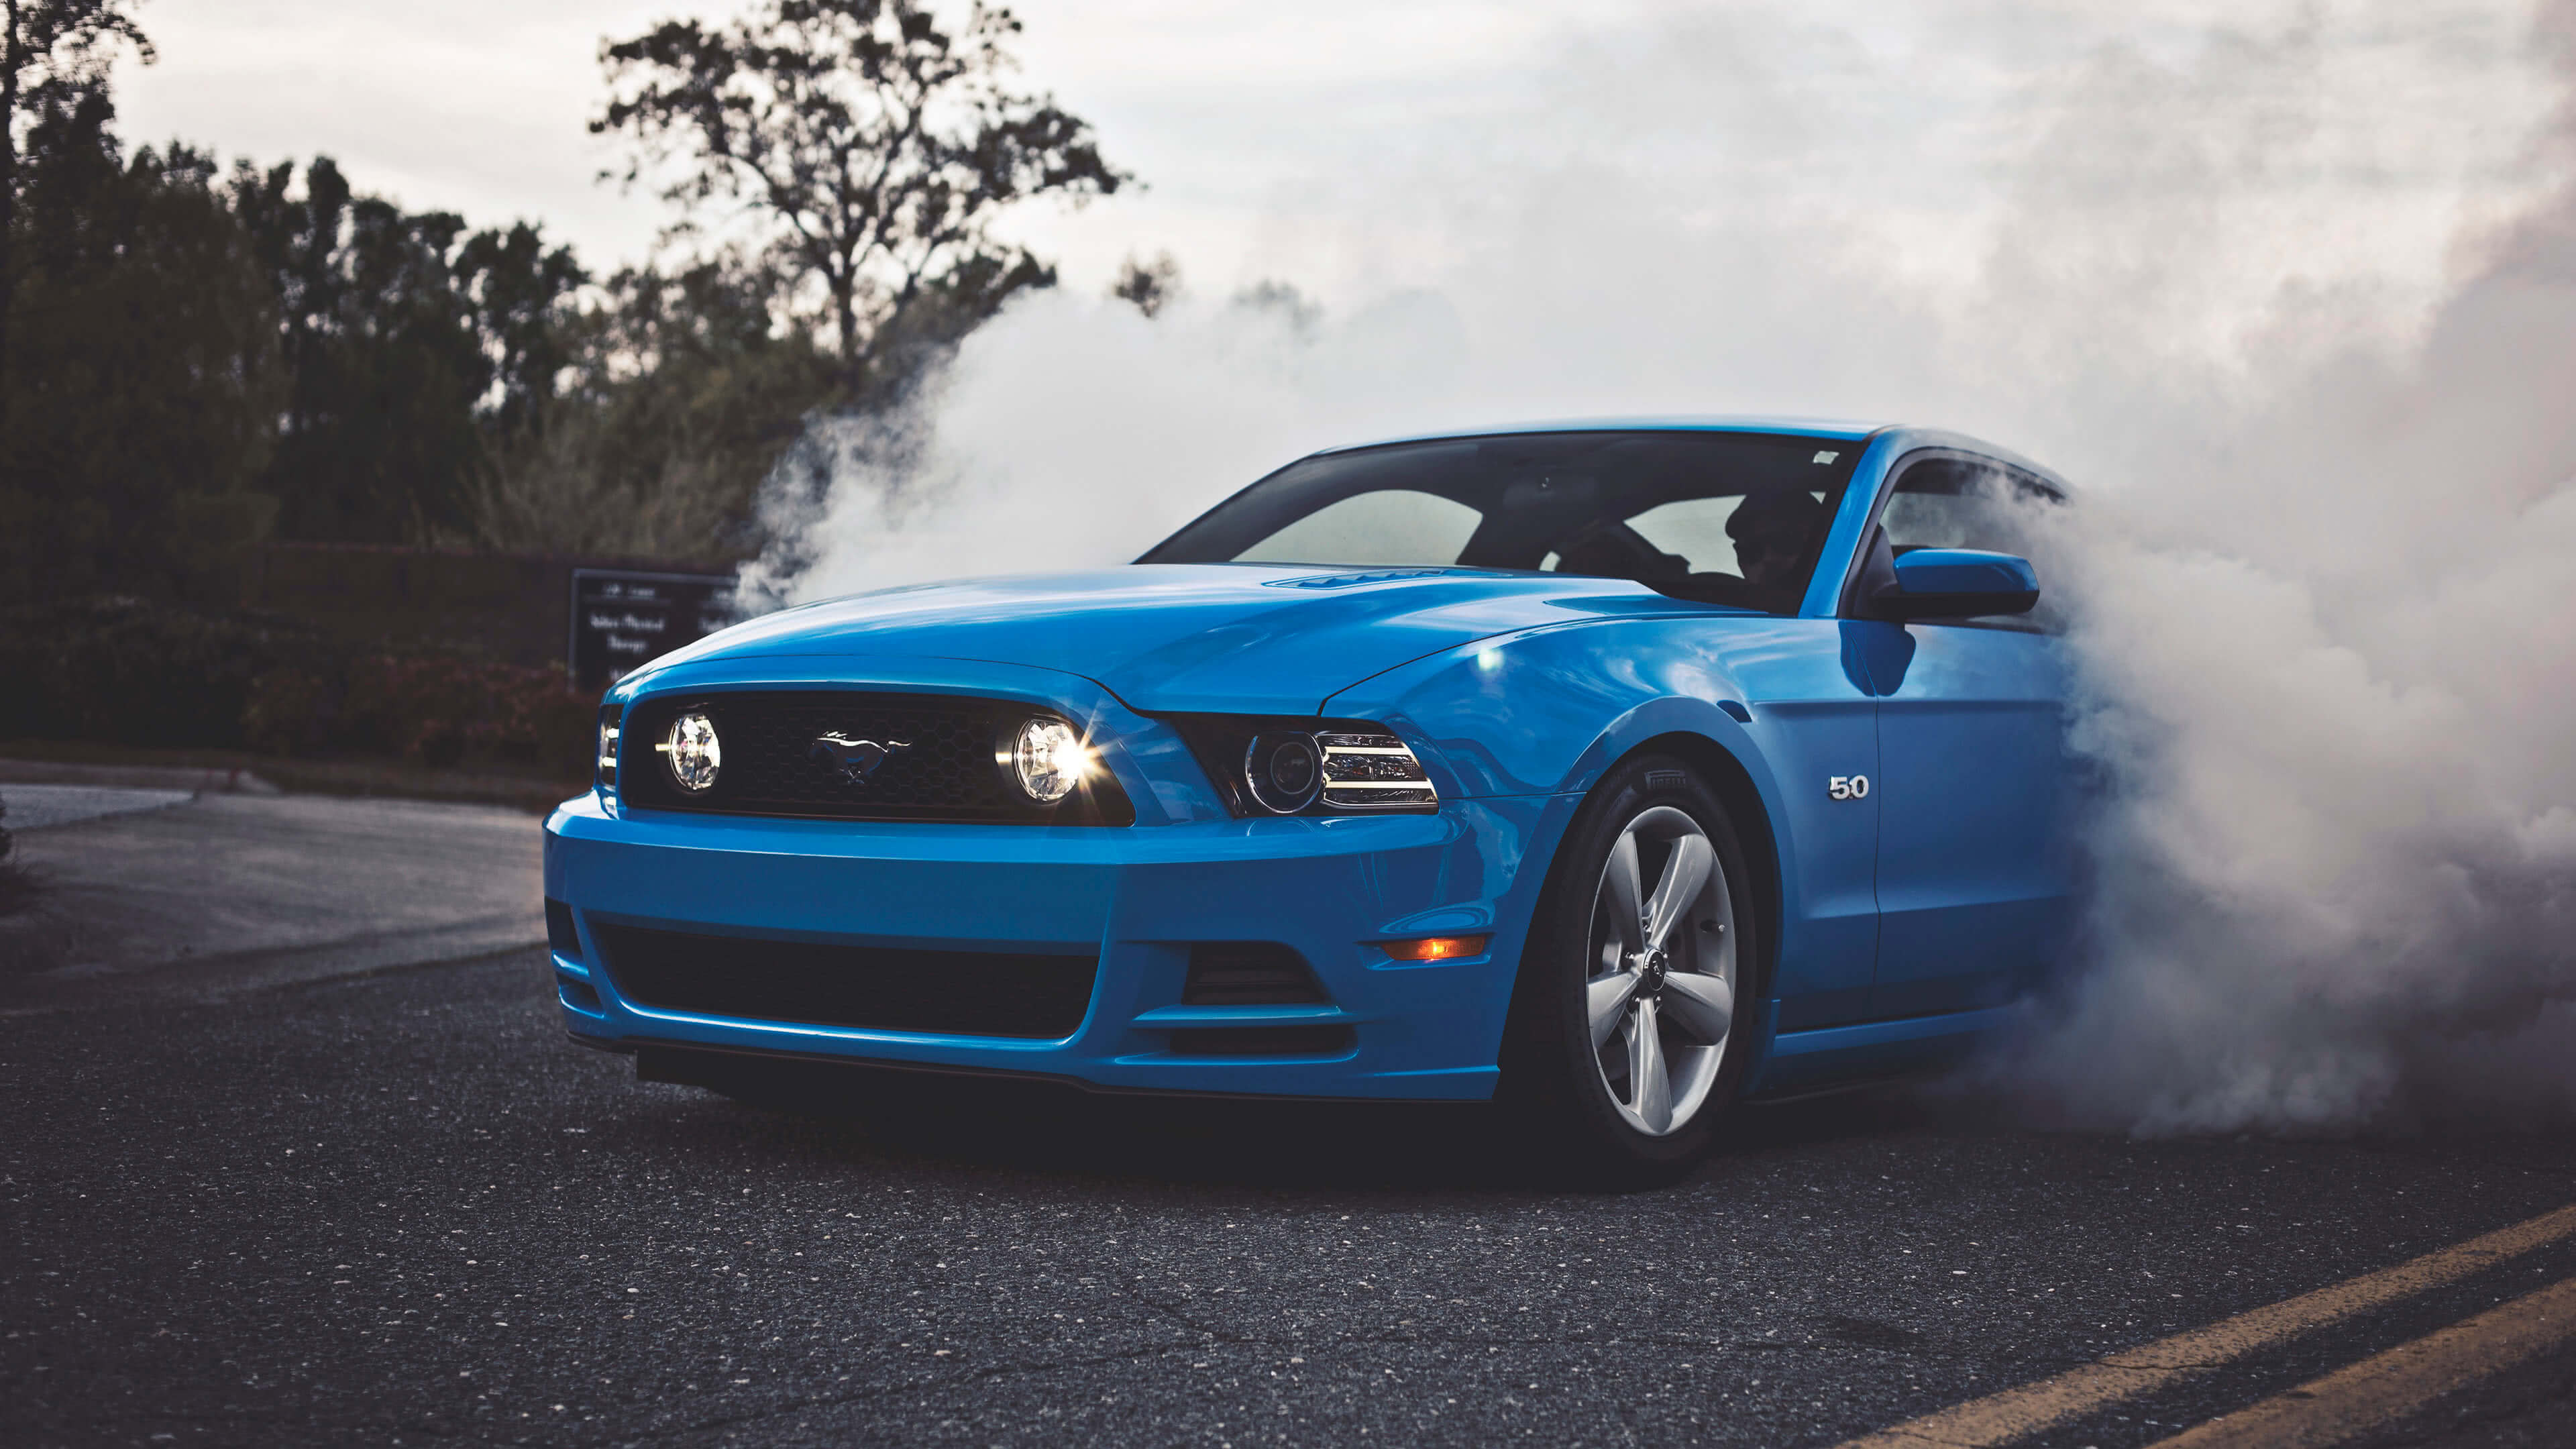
559	932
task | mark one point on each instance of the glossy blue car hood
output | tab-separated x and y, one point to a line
1249	638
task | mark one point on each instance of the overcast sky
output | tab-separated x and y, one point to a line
1298	141
480	105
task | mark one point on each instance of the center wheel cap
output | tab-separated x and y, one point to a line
1651	969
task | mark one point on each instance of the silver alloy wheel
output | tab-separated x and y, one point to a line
1660	992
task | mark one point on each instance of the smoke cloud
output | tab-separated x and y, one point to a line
2292	298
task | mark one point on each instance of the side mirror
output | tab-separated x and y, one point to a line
1954	583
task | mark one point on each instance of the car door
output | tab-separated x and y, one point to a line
1812	716
1807	703
1973	877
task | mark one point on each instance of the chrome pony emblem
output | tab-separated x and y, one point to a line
856	760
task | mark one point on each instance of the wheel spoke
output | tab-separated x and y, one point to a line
1685	876
1705	1004
1650	1087
1622	894
1606	1000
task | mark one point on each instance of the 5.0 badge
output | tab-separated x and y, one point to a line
1848	787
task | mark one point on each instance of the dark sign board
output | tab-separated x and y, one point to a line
621	619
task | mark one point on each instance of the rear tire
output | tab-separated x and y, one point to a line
1626	1043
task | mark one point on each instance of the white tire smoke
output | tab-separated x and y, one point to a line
2260	301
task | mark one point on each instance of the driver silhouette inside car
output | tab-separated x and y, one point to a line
1772	533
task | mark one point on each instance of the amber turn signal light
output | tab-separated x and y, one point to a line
1436	948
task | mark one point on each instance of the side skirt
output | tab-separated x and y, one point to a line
694	1064
1803	1062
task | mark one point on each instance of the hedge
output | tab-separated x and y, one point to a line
131	671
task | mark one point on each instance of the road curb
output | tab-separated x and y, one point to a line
230	780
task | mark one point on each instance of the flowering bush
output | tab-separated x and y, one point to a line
442	710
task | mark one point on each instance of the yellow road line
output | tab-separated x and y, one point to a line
2000	1418
2376	1390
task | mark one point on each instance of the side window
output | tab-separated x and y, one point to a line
1954	503
1383	528
1951	505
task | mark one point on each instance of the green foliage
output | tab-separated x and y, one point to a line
871	146
54	56
681	395
191	361
521	291
54	51
414	349
142	366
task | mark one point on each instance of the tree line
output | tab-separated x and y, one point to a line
195	355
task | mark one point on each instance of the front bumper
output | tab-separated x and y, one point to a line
1140	896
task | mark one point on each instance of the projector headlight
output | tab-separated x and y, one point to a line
1276	765
1283	770
693	752
1051	759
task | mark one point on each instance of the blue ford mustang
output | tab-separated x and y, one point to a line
1617	770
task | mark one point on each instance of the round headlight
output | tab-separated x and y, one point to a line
1051	759
1283	771
693	752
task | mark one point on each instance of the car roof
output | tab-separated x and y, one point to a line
1903	437
1716	423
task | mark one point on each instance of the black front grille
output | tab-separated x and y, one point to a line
946	993
944	757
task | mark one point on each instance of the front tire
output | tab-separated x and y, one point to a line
1626	1046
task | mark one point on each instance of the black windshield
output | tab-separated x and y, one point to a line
1729	518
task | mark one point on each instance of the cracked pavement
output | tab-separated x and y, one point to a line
398	1208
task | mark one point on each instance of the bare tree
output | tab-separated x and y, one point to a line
50	51
873	147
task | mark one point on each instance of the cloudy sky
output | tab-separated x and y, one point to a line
1356	147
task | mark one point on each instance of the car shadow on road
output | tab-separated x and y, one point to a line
1022	1127
1034	1127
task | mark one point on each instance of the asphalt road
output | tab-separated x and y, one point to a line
400	1209
227	889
